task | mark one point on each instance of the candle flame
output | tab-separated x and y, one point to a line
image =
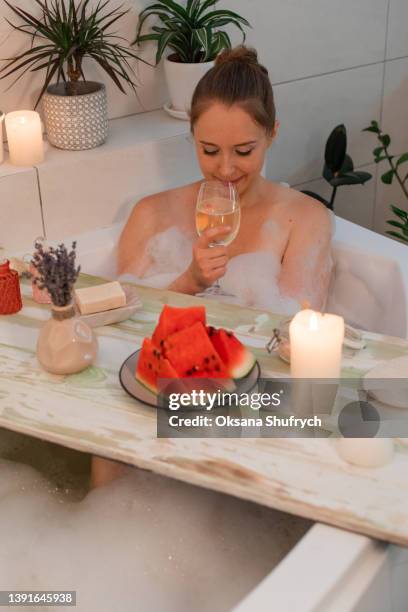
313	322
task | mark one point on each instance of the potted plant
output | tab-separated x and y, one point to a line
66	344
338	167
75	110
382	153
192	35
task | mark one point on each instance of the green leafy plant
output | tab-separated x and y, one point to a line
191	32
338	167
65	33
381	153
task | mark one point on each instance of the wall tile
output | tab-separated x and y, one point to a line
354	202
309	109
397	38
20	212
297	38
386	195
395	104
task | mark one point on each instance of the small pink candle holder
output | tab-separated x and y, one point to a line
41	296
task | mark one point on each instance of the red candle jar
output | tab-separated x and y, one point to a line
10	295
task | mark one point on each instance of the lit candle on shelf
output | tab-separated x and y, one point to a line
24	136
316	341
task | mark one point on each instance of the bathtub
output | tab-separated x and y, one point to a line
327	569
369	286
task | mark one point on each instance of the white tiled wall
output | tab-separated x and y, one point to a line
309	109
330	63
20	212
296	39
397	40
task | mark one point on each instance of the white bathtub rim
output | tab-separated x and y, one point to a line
320	564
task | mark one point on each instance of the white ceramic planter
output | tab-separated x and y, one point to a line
182	80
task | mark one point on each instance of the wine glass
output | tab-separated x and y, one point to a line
218	206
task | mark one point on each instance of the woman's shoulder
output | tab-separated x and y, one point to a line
165	201
298	207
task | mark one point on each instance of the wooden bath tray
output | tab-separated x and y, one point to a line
90	412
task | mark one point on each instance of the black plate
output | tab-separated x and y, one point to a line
135	389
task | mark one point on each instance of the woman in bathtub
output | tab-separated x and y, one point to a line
281	255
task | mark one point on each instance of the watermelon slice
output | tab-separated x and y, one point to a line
238	360
152	365
191	353
174	319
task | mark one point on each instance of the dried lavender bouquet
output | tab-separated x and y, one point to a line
56	271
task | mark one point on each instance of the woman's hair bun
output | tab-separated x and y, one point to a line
236	78
240	54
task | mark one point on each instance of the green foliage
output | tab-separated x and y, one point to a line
191	32
381	153
338	167
335	151
65	33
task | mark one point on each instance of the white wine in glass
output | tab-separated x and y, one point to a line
218	206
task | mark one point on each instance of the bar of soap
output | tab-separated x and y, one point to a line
100	298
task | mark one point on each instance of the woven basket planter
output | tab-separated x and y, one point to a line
76	122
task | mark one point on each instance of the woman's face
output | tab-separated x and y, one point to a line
230	146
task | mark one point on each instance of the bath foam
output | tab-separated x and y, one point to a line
251	279
115	547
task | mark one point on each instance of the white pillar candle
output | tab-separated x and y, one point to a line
316	341
24	136
1	136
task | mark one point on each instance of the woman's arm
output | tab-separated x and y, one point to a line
307	263
151	216
142	225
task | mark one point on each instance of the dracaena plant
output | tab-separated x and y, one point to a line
382	153
338	167
192	31
62	34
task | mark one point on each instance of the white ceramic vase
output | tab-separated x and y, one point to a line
182	80
66	344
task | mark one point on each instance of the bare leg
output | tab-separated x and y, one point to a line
104	471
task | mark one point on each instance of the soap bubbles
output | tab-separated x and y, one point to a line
143	542
251	278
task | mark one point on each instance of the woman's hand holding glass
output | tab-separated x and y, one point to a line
209	262
218	216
